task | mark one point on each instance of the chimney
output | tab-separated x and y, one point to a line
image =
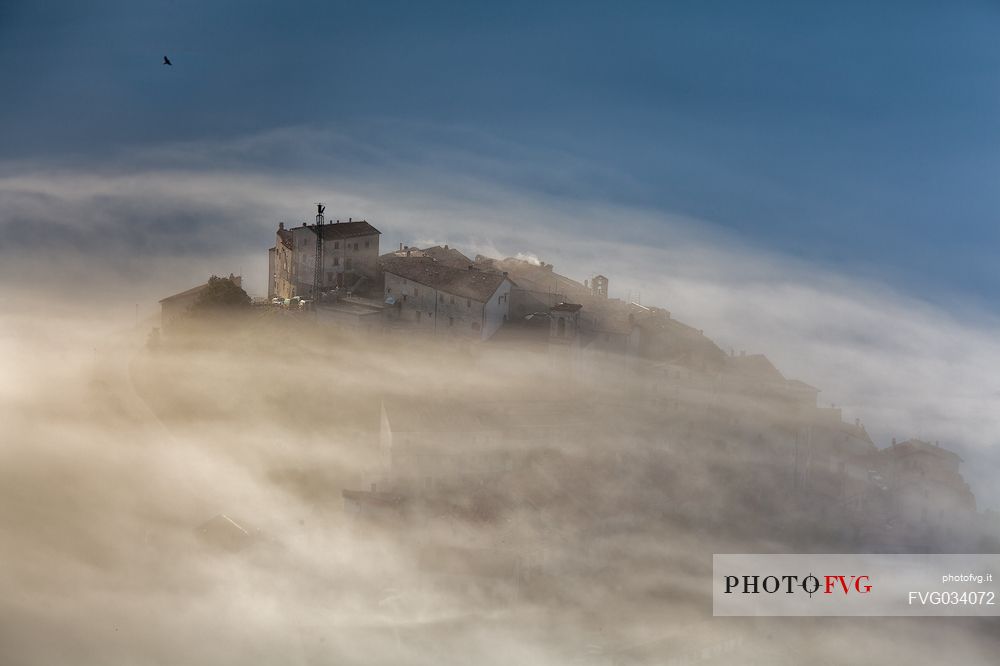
350	219
446	247
281	226
505	274
401	247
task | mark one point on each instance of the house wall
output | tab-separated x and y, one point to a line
435	311
172	310
271	278
345	260
283	272
495	310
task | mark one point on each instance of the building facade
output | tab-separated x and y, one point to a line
350	258
428	295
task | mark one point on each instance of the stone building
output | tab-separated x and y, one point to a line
926	483
350	258
426	294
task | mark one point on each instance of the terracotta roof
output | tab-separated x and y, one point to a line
476	284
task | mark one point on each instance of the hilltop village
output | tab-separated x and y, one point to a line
666	401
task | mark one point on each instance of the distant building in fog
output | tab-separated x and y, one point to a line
442	253
926	482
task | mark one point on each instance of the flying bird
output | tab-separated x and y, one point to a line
166	61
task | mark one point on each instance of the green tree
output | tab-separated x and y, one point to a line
221	293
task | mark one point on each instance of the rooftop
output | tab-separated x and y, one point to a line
338	230
236	279
912	446
468	282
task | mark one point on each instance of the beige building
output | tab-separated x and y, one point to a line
927	484
426	294
350	258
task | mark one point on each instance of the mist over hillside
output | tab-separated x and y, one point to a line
199	500
225	496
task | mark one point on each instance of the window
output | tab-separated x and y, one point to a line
336	245
347	263
468	302
329	277
440	298
416	292
388	290
355	247
404	298
368	244
561	327
336	261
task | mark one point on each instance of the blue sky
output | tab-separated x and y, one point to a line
864	136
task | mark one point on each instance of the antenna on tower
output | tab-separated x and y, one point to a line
318	260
